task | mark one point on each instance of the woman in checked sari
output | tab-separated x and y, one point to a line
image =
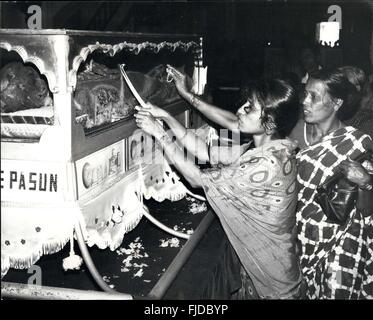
255	195
336	259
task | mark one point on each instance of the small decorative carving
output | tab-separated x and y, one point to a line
135	48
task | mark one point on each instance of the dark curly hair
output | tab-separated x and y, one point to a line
279	101
339	87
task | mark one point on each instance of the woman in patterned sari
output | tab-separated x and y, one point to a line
336	259
255	195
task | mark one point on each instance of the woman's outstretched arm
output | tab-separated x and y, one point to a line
356	173
186	137
224	118
186	166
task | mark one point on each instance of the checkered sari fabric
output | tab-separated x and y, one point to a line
336	260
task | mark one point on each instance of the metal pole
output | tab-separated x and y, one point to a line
35	292
165	281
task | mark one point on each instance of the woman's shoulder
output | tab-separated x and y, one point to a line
357	133
281	150
358	138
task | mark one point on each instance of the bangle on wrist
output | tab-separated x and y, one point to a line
193	100
368	186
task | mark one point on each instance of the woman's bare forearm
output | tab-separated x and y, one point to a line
365	202
176	155
188	139
365	197
224	118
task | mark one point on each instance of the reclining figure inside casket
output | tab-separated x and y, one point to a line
102	95
22	87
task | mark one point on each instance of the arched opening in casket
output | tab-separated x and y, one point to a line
103	98
26	102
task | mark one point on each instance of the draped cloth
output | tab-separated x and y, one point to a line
255	200
336	260
118	210
107	217
29	231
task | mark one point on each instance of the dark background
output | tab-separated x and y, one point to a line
241	38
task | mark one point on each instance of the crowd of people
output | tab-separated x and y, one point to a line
266	194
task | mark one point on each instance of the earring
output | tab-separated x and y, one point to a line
269	127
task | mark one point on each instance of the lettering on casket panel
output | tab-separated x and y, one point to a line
32	181
100	169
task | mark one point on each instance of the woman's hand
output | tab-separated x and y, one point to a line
149	124
155	111
179	78
355	172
